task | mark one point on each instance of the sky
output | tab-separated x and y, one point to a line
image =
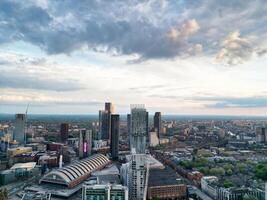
175	56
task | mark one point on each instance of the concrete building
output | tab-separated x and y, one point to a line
64	132
105	192
138	128
19	131
164	184
157	123
138	176
85	143
208	185
153	139
114	144
261	134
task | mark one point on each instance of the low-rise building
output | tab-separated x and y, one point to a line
207	185
105	192
164	184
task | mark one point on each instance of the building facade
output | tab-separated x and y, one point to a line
157	123
138	177
64	132
105	192
19	131
114	144
85	143
138	129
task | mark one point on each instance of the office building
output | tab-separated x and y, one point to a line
110	108
85	143
139	129
261	134
153	139
114	144
104	124
105	192
105	121
157	123
64	132
137	180
19	131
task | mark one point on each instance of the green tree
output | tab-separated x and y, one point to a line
3	194
227	184
229	172
241	167
261	171
217	171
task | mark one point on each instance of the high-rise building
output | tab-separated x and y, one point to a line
85	143
19	131
138	129
138	176
128	127
109	107
104	124
64	132
114	144
261	134
153	139
157	123
105	121
105	192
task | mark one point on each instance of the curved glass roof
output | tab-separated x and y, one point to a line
75	171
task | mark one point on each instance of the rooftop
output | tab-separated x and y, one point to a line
160	177
28	165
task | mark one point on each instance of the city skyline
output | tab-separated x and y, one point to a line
177	57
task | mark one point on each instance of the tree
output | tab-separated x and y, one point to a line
229	172
217	171
227	184
3	194
261	172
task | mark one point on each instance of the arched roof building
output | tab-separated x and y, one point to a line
74	174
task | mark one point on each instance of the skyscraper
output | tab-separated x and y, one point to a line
128	127
157	123
138	176
64	132
109	107
138	128
19	132
85	143
104	124
114	144
105	121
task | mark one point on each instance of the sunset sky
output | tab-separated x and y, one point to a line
174	56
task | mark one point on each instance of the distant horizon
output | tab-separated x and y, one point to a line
188	57
150	114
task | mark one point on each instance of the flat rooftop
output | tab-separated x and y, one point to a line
160	177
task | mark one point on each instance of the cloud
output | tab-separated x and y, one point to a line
235	49
234	102
134	29
23	72
150	29
25	81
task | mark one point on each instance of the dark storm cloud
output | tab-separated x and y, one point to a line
146	28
